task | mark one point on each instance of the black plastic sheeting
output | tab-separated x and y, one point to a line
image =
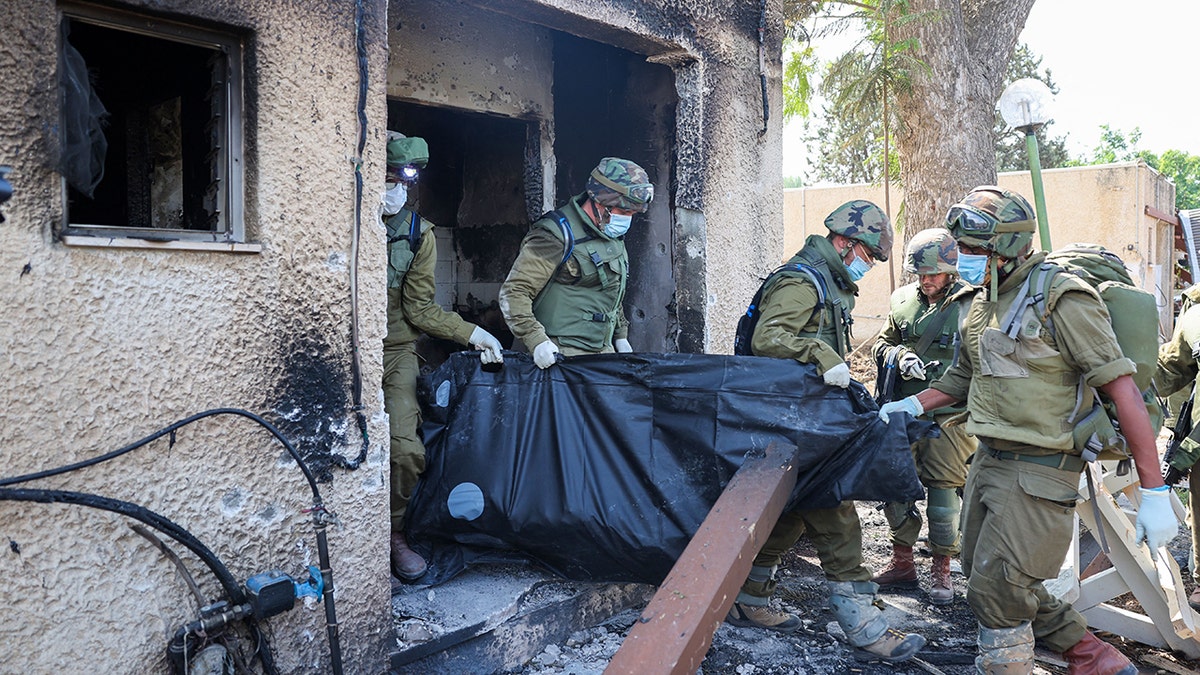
601	468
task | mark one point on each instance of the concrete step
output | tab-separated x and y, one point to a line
495	618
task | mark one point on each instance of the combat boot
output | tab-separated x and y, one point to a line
941	588
762	616
1093	656
406	563
900	572
853	605
1005	651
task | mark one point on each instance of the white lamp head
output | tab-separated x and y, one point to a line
1025	104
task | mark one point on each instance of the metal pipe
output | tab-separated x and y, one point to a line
1039	195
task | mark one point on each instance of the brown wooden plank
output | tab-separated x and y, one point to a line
675	631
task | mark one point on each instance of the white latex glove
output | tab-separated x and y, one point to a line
488	345
909	405
838	376
622	346
1156	523
544	354
911	367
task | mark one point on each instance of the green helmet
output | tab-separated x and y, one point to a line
931	251
620	183
404	151
862	221
993	218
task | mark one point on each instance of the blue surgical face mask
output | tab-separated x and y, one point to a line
617	225
972	268
857	268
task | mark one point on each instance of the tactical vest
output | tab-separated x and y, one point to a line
582	313
913	316
833	328
404	231
1022	390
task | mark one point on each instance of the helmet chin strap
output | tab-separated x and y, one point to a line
994	275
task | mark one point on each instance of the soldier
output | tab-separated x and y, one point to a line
918	342
565	290
1177	371
792	327
412	311
1023	388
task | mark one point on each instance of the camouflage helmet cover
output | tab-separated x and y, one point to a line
620	183
931	251
863	221
1013	221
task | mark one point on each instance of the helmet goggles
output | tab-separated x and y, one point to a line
970	220
639	193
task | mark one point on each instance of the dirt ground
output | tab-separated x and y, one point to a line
817	647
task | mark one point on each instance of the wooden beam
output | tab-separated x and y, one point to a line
1161	215
676	629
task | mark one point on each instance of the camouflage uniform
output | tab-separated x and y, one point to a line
411	311
941	460
790	326
576	302
787	329
1177	372
1023	483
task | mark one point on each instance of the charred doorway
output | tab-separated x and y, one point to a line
475	192
518	109
611	102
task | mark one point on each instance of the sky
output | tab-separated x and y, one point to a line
1120	64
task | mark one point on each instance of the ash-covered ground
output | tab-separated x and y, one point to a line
817	648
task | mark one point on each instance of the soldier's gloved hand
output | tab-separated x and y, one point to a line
838	376
545	354
1156	522
622	346
908	404
488	345
911	367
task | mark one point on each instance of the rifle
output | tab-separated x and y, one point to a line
1182	429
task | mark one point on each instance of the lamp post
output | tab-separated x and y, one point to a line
1024	105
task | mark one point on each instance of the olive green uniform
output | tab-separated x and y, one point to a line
1177	371
789	327
1023	483
941	461
411	311
576	303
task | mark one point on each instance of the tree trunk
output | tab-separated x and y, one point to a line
945	134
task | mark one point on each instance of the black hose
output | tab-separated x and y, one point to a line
321	517
162	524
312	482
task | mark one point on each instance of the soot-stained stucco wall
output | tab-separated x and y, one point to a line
717	219
103	346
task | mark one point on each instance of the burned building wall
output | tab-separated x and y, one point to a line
111	334
674	87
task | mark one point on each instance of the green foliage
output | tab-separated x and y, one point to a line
1184	170
793	182
858	85
1011	154
1181	167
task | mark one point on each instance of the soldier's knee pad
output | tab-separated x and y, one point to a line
942	507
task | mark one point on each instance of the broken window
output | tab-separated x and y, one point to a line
151	127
